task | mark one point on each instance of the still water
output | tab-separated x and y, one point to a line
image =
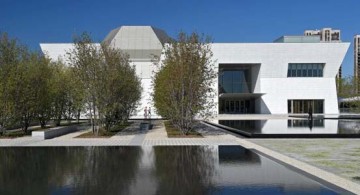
294	126
149	170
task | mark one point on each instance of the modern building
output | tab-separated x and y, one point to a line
357	58
290	75
327	35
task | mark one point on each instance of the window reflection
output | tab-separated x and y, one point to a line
305	69
234	81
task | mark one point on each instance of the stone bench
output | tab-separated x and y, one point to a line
54	132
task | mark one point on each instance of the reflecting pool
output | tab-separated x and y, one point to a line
149	170
294	127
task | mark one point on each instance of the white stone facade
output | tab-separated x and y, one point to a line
272	80
269	62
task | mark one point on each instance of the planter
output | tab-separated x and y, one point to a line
54	132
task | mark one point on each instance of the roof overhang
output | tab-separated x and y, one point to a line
241	95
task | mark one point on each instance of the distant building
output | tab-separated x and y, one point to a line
327	35
357	58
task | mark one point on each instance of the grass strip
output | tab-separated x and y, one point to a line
105	134
173	132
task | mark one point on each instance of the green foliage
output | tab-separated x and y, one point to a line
111	86
68	96
183	85
119	87
346	87
349	88
32	88
18	99
176	133
106	133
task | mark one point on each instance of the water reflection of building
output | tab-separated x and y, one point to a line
237	155
294	123
242	170
251	126
284	126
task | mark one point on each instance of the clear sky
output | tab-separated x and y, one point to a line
56	21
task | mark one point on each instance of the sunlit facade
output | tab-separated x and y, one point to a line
290	75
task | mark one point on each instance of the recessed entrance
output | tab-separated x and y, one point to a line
236	88
230	106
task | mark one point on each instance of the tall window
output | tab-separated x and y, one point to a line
234	81
305	69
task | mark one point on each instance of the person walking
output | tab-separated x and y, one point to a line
310	113
149	112
145	112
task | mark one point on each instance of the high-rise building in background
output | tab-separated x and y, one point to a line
357	58
327	35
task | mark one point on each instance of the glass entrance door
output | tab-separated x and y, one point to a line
235	106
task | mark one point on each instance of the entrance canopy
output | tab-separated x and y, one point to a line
241	95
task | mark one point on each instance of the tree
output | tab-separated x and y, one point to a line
120	88
85	59
25	88
41	73
68	95
9	57
182	86
348	88
111	87
18	96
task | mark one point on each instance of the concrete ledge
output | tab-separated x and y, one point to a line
54	132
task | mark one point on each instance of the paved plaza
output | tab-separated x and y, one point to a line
299	153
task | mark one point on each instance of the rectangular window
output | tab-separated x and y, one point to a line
305	69
303	106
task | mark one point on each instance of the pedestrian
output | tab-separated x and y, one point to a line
149	112
145	112
310	112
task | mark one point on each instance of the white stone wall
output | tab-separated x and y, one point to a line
273	81
145	71
272	78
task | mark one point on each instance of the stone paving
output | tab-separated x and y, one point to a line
131	136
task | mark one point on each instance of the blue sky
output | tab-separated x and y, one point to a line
39	21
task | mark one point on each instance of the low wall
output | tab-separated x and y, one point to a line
54	132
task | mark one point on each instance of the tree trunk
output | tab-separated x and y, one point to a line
58	121
42	124
26	126
95	120
91	119
78	117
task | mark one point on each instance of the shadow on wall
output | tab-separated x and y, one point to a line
262	108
